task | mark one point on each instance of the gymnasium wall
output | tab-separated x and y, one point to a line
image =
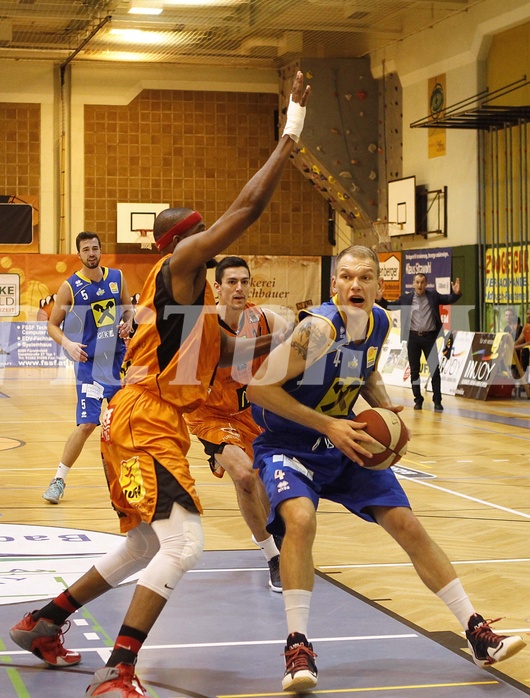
196	149
20	137
180	147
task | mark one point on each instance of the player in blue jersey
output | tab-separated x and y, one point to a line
90	319
303	396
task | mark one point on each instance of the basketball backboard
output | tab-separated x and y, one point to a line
402	206
135	223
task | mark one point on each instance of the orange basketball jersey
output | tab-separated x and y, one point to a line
228	392
175	348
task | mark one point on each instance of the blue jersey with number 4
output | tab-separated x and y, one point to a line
332	384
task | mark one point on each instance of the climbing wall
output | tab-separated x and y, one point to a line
351	143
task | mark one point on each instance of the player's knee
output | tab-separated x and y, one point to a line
299	517
245	480
182	548
135	551
410	528
403	525
193	543
86	428
142	543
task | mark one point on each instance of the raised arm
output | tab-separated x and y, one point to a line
192	252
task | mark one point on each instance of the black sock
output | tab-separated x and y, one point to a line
59	609
127	645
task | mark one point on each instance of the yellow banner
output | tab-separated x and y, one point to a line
436	106
506	271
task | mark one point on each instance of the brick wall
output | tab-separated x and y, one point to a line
196	149
20	140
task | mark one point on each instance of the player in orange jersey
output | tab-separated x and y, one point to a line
170	363
224	423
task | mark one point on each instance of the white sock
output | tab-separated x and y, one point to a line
456	599
268	546
297	603
62	471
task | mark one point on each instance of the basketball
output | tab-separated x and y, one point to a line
391	434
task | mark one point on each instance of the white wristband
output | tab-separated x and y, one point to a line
295	120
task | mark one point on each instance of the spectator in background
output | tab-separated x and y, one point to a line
91	317
512	323
421	325
522	344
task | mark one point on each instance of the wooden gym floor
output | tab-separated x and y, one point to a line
467	474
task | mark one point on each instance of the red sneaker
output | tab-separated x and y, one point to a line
116	682
45	640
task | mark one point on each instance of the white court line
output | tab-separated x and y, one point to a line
33	421
243	643
409	564
466	496
104	654
214	570
78	467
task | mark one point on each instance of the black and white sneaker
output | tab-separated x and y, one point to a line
275	581
300	668
486	646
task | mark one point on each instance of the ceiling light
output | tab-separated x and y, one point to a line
146	7
139	36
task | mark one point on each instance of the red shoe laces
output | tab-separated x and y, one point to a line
131	678
296	657
484	631
55	642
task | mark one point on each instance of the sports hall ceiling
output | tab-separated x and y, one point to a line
250	33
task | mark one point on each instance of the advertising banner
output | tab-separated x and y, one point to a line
290	282
470	363
29	283
391	270
435	264
394	363
453	358
488	362
27	344
283	284
38	277
506	272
